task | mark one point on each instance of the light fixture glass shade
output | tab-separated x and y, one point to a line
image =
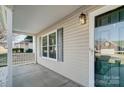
82	18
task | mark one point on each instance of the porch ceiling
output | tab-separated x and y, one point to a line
32	19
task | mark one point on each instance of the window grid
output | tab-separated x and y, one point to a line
48	46
110	17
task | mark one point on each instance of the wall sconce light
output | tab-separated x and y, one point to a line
82	18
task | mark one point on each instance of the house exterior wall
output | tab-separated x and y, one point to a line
76	47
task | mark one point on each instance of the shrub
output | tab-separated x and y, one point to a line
29	51
18	50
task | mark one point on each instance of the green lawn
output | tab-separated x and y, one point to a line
3	60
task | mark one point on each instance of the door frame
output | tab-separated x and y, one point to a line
92	16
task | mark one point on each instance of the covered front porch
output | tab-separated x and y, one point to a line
27	71
35	75
63	41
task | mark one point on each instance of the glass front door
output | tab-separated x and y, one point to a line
109	55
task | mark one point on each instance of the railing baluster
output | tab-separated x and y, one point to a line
23	58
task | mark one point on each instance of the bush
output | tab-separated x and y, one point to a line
29	51
18	50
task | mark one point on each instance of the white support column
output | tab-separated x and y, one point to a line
35	47
9	43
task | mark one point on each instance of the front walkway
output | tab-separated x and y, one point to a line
34	75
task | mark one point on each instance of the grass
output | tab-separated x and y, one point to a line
3	60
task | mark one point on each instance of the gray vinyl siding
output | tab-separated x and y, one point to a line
75	47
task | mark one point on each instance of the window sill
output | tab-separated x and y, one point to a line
49	59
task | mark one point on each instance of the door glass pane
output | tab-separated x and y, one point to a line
105	19
122	14
115	16
98	22
107	58
52	52
120	54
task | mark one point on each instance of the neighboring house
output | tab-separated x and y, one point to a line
23	44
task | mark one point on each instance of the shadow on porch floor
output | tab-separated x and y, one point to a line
34	75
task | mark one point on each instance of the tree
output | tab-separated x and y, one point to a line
28	38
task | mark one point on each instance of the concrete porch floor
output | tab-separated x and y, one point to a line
34	75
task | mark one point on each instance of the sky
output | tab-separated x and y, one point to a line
19	38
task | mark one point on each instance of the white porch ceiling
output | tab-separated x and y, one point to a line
32	18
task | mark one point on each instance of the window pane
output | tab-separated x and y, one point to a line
44	51
121	37
52	52
110	17
122	14
105	19
115	16
52	39
45	41
98	21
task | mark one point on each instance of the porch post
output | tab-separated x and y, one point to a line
9	43
35	47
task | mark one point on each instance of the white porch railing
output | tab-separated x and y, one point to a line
23	58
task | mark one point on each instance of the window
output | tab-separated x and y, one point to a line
52	45
110	17
49	46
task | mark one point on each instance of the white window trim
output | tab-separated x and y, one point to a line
92	16
48	58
